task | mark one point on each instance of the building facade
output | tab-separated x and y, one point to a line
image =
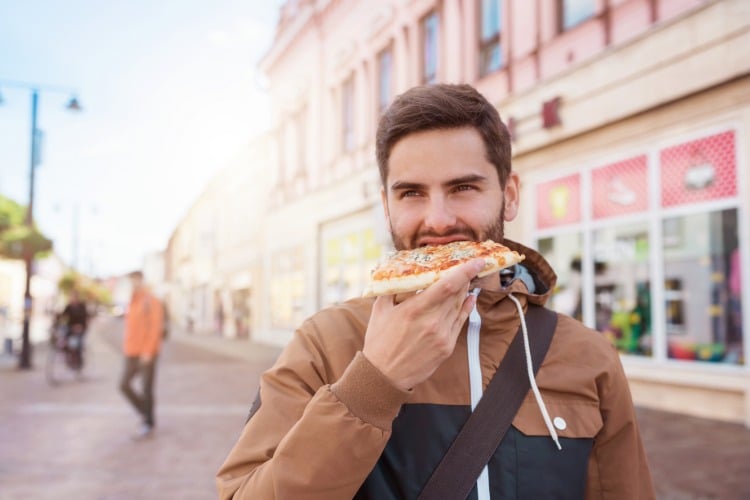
212	263
629	120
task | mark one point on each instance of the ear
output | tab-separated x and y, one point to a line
511	196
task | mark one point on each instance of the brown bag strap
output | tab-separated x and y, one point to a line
482	433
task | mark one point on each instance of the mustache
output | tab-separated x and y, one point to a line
463	232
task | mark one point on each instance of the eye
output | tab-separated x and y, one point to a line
465	187
409	193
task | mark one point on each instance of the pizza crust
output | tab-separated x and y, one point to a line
413	270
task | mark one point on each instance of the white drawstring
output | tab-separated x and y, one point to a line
475	384
530	370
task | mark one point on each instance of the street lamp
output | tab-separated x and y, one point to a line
24	360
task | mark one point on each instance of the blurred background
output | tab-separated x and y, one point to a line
227	150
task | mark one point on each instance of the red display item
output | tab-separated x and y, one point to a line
700	170
559	202
620	188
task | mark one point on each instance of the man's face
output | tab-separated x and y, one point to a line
441	188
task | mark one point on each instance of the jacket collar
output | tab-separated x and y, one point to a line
540	271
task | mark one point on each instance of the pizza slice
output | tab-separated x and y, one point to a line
411	270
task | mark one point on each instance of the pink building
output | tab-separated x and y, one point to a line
629	119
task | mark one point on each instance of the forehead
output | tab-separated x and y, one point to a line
439	154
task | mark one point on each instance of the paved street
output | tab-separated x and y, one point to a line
73	441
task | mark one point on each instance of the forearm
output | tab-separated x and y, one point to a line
316	447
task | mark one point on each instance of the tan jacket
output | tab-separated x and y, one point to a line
331	426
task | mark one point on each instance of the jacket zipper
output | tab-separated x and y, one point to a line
475	383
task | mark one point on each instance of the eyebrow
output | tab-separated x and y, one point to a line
466	179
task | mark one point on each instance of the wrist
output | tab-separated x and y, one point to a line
368	393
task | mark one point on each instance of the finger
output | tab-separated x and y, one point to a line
464	312
382	303
456	279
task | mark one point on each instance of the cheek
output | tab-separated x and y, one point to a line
479	212
403	221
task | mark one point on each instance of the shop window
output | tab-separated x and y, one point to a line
563	252
490	48
702	287
430	52
571	13
288	288
694	213
622	290
348	260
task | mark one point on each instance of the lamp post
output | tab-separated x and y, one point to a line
24	360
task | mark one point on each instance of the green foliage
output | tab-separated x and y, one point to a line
15	236
89	290
11	213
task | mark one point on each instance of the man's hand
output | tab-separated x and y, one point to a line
146	359
408	341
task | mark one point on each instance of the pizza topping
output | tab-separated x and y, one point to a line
410	270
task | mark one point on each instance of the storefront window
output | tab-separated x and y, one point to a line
702	287
563	252
348	259
657	233
288	288
622	288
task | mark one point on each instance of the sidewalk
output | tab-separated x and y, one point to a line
73	441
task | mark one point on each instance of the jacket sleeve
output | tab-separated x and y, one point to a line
618	468
153	327
311	437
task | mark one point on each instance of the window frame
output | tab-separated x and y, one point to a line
563	8
429	75
389	88
485	45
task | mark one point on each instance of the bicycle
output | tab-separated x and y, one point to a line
65	359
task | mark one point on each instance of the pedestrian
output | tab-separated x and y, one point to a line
368	396
141	344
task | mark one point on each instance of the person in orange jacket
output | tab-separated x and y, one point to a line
143	334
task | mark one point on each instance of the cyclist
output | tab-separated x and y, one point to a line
74	318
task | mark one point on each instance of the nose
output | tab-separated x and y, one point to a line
439	218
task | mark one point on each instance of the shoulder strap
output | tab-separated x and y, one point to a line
482	433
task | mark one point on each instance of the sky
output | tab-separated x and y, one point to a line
170	92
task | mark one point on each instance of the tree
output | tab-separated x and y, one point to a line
89	290
15	236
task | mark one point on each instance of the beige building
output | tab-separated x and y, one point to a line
630	122
214	256
628	119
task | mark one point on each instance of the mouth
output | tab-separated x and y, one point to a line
435	241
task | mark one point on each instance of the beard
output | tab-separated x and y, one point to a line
494	231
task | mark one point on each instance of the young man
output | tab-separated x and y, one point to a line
142	341
369	395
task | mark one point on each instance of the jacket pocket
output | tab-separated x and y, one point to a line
543	470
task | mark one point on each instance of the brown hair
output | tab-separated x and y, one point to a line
443	106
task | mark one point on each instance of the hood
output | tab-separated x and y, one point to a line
533	279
